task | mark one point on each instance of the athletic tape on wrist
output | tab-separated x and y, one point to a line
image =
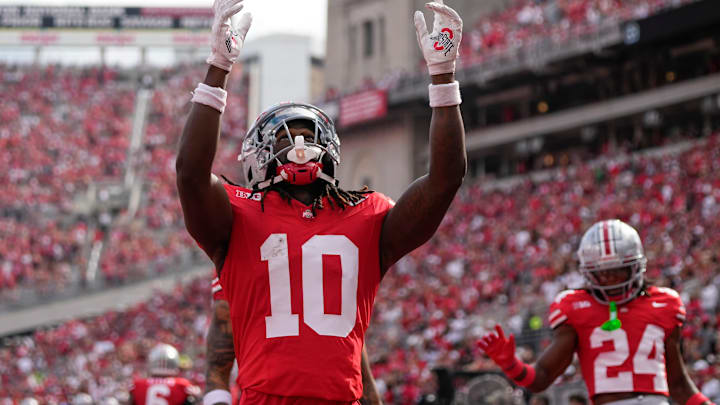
214	97
445	95
216	396
514	369
529	376
697	399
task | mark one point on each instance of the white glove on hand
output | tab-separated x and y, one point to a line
441	47
228	34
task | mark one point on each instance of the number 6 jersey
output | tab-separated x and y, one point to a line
629	359
301	287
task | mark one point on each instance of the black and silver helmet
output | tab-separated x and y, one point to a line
258	150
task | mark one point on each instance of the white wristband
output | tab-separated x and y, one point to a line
215	396
445	95
214	97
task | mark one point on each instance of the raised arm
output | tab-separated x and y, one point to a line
552	362
682	389
220	355
206	207
419	211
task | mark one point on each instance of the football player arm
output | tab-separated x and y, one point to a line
555	359
682	389
419	211
552	362
205	204
370	395
220	349
206	207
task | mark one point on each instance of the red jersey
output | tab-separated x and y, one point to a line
162	391
216	290
301	289
629	359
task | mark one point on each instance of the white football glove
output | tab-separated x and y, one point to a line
228	33
440	48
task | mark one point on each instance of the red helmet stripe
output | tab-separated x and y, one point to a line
606	238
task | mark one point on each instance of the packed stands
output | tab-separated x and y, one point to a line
505	249
529	24
67	132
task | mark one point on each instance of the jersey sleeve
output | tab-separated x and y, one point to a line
675	306
381	203
561	309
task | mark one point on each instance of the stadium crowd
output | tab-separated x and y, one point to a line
527	23
70	128
502	250
502	254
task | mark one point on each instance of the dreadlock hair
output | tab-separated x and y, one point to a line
337	197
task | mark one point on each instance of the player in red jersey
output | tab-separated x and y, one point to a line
625	332
299	258
221	358
163	387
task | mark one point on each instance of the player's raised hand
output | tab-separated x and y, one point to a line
228	33
440	47
499	348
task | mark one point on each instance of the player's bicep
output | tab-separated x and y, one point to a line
208	215
412	221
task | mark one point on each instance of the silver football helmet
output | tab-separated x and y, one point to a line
607	245
258	145
164	360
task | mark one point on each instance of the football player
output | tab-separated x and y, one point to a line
163	386
221	358
625	332
299	258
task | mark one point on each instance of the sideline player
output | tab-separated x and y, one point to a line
625	331
299	258
221	358
163	386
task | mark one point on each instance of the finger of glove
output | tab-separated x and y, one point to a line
511	343
500	332
242	26
232	10
420	26
444	10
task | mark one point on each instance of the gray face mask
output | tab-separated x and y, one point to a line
258	146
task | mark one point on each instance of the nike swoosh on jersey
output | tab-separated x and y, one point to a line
658	304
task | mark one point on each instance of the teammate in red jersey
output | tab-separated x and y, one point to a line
625	332
300	259
163	387
221	358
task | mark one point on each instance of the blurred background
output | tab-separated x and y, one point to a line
575	111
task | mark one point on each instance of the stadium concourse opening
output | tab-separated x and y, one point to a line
575	112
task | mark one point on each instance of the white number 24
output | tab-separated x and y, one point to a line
653	337
283	322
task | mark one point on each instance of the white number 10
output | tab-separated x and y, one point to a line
283	322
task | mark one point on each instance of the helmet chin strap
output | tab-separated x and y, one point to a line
303	168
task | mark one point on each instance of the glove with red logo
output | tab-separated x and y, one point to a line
228	33
440	48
